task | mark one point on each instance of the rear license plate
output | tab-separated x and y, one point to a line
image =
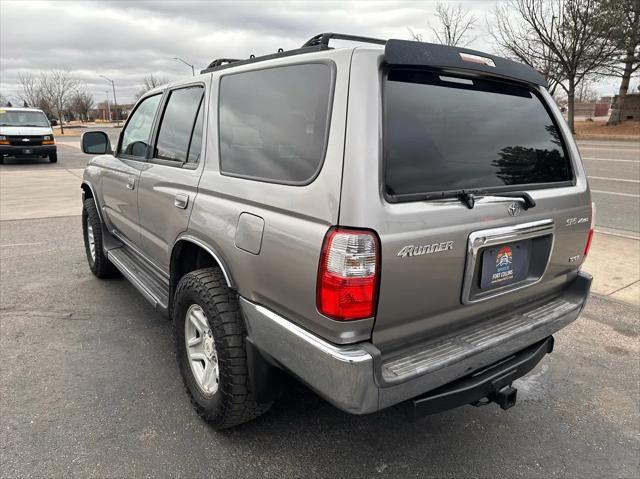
27	152
505	264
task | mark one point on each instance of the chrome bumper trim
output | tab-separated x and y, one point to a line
341	374
353	378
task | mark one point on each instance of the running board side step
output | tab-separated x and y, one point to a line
153	286
487	385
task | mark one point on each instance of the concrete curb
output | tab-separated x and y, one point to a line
629	138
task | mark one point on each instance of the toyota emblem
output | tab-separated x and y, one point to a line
513	209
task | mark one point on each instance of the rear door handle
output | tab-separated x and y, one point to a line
131	183
181	200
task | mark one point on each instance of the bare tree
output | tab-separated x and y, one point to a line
585	92
81	102
31	89
150	82
454	26
518	41
578	37
630	46
58	86
418	37
32	93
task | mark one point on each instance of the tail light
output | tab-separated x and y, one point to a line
348	274
587	246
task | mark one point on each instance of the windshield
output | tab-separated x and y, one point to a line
23	118
446	133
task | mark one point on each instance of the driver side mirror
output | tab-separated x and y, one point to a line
95	143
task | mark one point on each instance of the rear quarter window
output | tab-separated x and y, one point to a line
444	133
274	123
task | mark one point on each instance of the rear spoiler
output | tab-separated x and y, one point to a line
419	54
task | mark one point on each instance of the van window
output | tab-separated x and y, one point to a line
23	118
274	122
178	123
444	133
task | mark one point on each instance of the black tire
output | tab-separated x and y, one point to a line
233	403
100	265
53	158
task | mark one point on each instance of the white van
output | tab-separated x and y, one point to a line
26	132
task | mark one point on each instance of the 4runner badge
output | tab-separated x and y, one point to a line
411	250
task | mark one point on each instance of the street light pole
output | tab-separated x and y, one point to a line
108	108
115	100
193	71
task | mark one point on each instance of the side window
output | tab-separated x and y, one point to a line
178	122
274	122
196	138
135	137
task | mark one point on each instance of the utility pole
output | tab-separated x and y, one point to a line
115	100
193	71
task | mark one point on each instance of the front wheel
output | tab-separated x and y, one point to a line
92	232
53	157
209	334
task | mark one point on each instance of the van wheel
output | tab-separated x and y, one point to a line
92	232
53	158
210	339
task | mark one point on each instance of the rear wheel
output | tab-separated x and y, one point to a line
209	334
53	158
92	232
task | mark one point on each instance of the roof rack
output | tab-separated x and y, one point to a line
222	61
253	59
323	39
316	43
408	53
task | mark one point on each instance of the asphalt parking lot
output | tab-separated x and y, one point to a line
89	385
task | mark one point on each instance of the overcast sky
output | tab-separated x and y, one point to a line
126	40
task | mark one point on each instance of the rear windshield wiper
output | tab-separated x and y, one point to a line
528	201
468	197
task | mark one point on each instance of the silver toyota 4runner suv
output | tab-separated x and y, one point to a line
392	223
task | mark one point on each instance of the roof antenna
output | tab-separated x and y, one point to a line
280	50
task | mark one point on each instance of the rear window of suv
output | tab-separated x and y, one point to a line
444	133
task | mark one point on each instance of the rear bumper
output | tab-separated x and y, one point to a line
15	151
493	383
356	379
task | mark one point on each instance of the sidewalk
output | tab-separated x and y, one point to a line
614	262
30	194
